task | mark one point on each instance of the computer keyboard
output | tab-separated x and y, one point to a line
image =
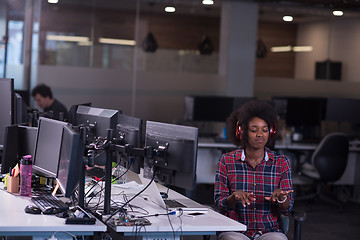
170	203
95	172
48	201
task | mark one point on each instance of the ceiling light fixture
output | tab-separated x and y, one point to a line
117	41
302	48
170	9
208	2
67	38
289	48
338	13
281	49
288	18
53	1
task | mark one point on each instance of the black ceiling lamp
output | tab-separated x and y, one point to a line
150	44
261	49
205	46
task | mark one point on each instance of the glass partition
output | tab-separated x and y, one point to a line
102	34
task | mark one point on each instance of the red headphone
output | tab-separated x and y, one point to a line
239	132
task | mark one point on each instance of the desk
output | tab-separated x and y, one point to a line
160	228
15	222
210	152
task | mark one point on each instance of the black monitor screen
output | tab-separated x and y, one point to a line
47	147
305	111
129	131
6	105
27	140
208	108
20	110
343	110
178	166
239	101
280	105
10	155
70	161
19	141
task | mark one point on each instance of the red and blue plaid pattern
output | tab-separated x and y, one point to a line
234	172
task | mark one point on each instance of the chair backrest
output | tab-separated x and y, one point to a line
330	157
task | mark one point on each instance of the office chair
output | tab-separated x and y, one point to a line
284	221
328	163
299	217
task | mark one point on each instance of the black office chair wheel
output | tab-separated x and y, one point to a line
206	237
299	218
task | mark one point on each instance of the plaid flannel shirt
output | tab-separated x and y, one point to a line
234	172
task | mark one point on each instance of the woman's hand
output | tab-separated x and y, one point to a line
279	195
245	197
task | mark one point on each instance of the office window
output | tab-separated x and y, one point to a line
102	35
14	64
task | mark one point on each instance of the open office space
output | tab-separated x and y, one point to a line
153	76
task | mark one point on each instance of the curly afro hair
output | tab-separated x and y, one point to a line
243	115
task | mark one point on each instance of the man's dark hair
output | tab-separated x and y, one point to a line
243	115
43	90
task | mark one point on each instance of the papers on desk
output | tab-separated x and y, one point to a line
129	185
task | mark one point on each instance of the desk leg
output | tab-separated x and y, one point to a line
356	191
161	237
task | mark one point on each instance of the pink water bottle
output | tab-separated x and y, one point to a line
25	175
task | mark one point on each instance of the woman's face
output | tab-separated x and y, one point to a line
258	134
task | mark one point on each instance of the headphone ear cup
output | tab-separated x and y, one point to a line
272	131
238	131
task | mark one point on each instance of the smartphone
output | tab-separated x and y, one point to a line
196	214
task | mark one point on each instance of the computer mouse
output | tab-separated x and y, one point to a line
164	195
32	209
51	210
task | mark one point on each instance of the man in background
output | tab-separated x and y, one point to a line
43	97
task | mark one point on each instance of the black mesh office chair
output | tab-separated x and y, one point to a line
328	163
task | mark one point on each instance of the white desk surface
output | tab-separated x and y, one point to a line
278	145
207	224
293	146
14	220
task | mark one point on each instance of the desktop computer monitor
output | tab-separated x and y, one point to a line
47	147
6	105
27	139
129	131
11	148
20	110
72	112
343	110
208	108
305	115
70	161
19	141
176	154
239	101
305	111
97	121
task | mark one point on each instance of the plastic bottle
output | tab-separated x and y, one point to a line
25	175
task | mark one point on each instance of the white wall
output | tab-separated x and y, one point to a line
159	96
344	41
267	87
